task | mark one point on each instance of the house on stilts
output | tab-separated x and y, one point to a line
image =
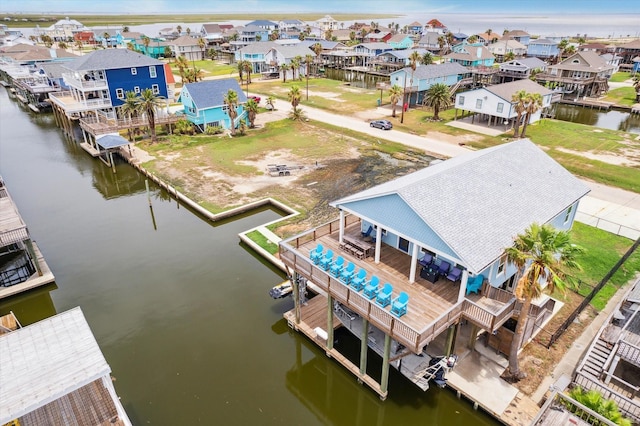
435	242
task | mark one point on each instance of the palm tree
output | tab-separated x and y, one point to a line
247	68
308	59
62	45
231	102
414	59
252	110
125	29
212	53
179	30
294	97
145	41
188	30
168	53
509	56
106	36
395	94
562	47
284	68
147	104
298	63
427	58
79	45
317	49
472	39
534	103
441	43
130	46
129	109
544	255
570	50
182	64
202	44
519	99
241	71
438	97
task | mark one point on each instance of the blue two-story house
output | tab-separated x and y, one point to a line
204	103
418	82
543	48
435	242
470	55
97	82
400	41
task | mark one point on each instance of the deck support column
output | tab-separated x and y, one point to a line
451	338
296	296
33	255
364	345
341	235
473	336
414	263
378	243
463	285
329	321
384	381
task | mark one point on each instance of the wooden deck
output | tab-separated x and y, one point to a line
90	405
432	307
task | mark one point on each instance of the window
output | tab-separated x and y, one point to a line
403	244
155	89
152	72
134	71
567	216
120	93
460	100
501	264
136	89
478	103
500	106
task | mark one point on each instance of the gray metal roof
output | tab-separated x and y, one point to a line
439	70
210	93
290	52
507	90
45	361
542	41
111	59
404	53
53	69
476	203
111	141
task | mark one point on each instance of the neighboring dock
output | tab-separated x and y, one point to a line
22	266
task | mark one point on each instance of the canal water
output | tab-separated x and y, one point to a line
611	119
179	307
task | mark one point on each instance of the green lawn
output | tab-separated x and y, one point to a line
622	96
602	251
263	242
620	77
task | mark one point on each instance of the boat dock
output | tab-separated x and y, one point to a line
22	266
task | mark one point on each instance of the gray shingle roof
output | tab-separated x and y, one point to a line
258	47
478	202
210	94
290	52
507	90
111	59
439	70
542	41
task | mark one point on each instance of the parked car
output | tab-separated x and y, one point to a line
382	124
255	98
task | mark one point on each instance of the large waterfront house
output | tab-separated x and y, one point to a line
470	55
327	23
400	41
629	51
418	82
281	55
256	54
204	103
393	60
487	38
154	47
437	26
581	74
494	104
430	41
187	47
53	372
518	35
63	30
457	216
543	48
502	47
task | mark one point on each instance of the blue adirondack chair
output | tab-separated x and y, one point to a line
336	267
316	254
383	298
326	260
357	283
474	284
399	304
347	273
371	288
368	232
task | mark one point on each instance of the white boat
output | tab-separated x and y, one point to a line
281	290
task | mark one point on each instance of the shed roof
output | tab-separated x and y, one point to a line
111	141
45	361
478	202
210	93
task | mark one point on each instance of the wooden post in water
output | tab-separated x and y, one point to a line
329	322
113	164
364	346
451	338
384	380
32	252
473	336
146	184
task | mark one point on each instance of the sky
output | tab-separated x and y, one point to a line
324	6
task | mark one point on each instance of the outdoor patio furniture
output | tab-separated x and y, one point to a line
454	274
474	284
336	267
443	268
371	287
368	232
316	254
426	260
347	273
383	298
357	283
326	260
399	304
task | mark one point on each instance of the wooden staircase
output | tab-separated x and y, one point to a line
596	358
